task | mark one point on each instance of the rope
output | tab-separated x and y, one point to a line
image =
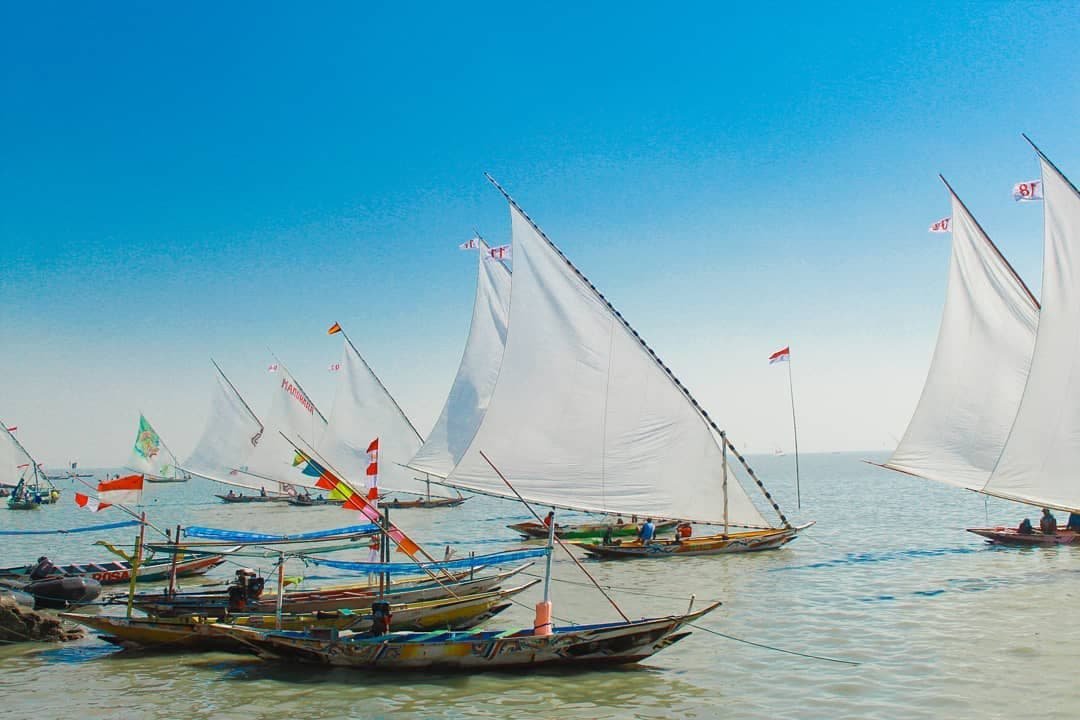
771	647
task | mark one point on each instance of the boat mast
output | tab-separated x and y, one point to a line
723	464
652	353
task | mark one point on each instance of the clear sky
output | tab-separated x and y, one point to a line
220	180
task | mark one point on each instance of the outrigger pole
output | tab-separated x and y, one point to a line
652	353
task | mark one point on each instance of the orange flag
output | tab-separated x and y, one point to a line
335	328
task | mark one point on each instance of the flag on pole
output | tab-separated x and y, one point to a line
780	356
1026	191
13	428
127	489
91	504
941	225
335	328
470	244
500	253
372	482
273	367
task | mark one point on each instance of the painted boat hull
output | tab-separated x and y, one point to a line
413	504
752	541
472	651
252	498
586	530
117	572
1009	536
356	597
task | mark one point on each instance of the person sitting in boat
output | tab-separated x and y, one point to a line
647	532
549	519
43	569
231	494
1048	523
609	533
1074	522
683	532
262	492
619	520
1024	528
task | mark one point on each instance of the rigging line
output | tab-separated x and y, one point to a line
772	647
703	413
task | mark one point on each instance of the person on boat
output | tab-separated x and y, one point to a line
609	533
231	494
1024	528
619	520
1074	522
647	532
43	569
683	532
262	492
1048	523
549	519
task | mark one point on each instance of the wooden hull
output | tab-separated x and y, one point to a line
311	502
432	503
200	632
116	572
473	651
586	530
165	479
252	498
354	597
1009	536
742	542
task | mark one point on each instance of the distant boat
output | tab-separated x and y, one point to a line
999	413
32	488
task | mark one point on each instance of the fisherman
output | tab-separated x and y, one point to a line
608	535
647	532
1048	523
683	532
231	494
43	569
262	492
1024	528
1074	522
549	519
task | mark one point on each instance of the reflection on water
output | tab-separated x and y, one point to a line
938	622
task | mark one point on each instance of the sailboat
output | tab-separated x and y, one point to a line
585	416
152	458
364	409
997	414
32	488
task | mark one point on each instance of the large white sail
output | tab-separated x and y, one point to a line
365	410
15	462
1040	464
980	365
584	416
292	415
230	436
471	392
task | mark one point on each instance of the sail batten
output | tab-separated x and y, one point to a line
584	414
471	390
980	365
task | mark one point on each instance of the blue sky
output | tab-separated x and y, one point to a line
218	181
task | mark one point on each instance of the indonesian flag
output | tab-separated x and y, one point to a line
780	356
335	328
372	482
91	504
941	225
470	244
500	253
1026	191
127	489
13	428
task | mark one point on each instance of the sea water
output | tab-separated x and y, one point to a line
886	608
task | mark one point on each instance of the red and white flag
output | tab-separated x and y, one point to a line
780	356
942	225
13	428
334	367
1030	190
273	367
127	489
470	244
372	481
500	253
90	503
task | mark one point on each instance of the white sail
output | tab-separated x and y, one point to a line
292	415
150	455
584	416
230	436
365	410
980	365
1041	459
15	463
469	395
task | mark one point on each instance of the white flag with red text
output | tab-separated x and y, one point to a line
470	244
942	225
1030	190
501	252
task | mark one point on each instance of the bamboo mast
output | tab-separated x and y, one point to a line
656	358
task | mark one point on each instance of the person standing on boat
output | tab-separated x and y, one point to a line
549	519
1048	523
647	532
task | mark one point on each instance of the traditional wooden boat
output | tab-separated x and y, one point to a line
355	596
735	542
199	632
114	572
307	501
242	498
32	488
477	650
534	529
430	502
237	543
1012	536
1000	412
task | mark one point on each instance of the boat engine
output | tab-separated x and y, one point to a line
247	587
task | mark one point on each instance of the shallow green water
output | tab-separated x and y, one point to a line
940	623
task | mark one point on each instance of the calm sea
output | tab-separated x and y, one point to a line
928	620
